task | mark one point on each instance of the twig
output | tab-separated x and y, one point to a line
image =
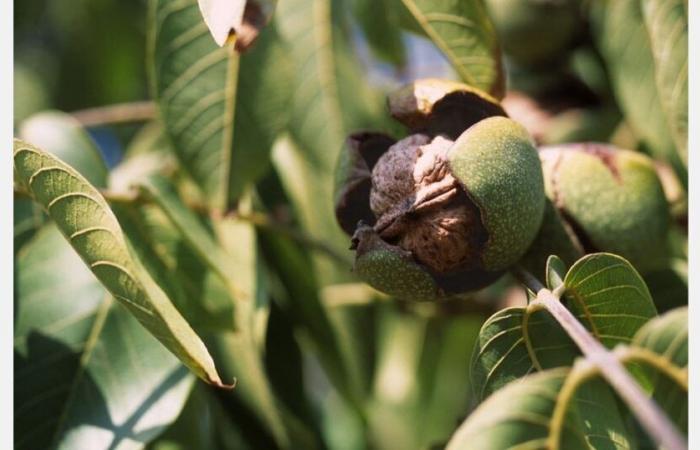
260	220
117	113
648	413
264	221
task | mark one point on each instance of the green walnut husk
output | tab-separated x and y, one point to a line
606	199
446	210
536	32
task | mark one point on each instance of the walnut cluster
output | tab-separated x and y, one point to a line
422	208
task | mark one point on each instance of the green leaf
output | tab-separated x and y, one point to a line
330	97
464	33
84	218
300	301
573	409
61	135
421	386
558	409
602	290
64	137
195	233
221	111
379	20
661	349
621	35
91	376
556	272
667	26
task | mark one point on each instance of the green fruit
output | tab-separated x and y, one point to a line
432	217
536	32
612	201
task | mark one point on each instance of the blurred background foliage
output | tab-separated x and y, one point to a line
347	368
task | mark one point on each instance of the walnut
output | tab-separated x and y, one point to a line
420	206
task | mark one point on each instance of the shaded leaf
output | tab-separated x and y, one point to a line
573	408
622	38
421	386
221	111
464	33
602	290
84	218
556	272
555	409
667	26
380	23
661	349
91	376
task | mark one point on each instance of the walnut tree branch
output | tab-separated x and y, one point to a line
648	413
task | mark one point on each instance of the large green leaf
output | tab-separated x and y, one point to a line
667	27
621	35
602	290
84	218
330	98
462	30
89	376
221	111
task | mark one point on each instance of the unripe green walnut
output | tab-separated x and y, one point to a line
536	32
604	199
447	209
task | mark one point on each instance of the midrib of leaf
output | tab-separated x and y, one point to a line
229	115
439	41
575	378
661	363
220	167
93	337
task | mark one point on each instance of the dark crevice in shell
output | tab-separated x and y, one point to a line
457	111
352	205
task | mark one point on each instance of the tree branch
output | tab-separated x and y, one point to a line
648	413
117	113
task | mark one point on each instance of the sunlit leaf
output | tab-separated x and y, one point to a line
61	135
84	218
464	33
90	375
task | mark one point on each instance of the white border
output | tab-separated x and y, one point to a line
693	217
6	303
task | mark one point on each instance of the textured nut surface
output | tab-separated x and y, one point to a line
420	206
